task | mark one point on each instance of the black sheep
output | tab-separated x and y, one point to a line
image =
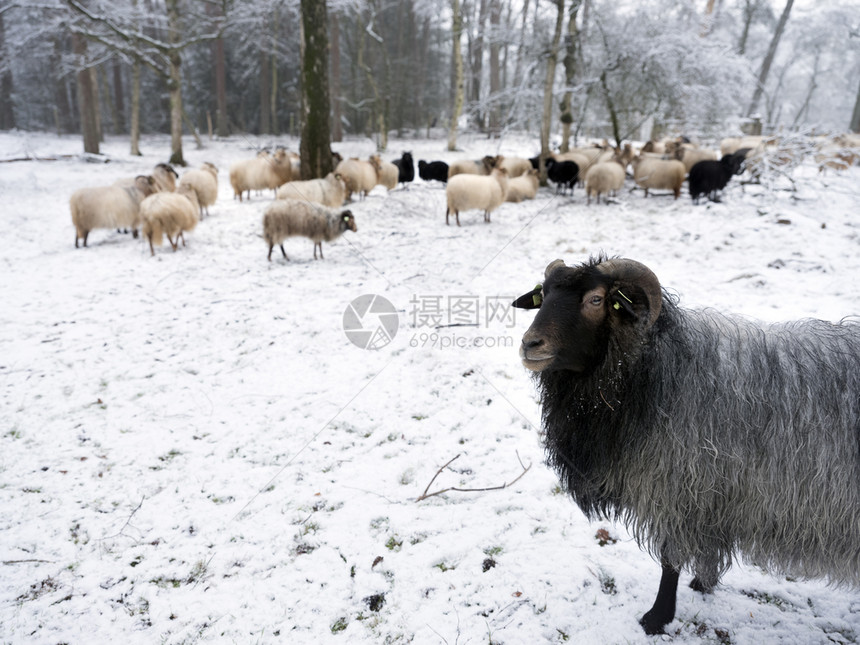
708	177
564	174
405	168
708	435
437	170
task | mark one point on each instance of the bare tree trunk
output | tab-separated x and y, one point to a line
135	108
336	125
315	148
380	102
65	116
477	56
855	115
119	97
94	79
549	82
571	45
265	94
110	103
221	128
273	98
521	49
456	74
495	109
749	12
610	107
174	83
89	126
422	48
813	85
7	113
768	59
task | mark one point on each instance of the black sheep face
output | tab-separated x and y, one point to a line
568	332
348	220
582	309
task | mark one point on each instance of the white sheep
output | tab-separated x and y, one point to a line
469	167
261	172
116	206
466	192
169	214
604	178
523	187
691	156
292	217
295	164
358	175
591	156
165	177
386	172
204	182
329	191
516	166
651	173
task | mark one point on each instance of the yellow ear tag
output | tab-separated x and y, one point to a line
616	306
537	299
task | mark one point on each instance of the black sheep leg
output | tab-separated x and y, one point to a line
663	611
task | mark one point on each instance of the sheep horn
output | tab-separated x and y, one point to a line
639	274
552	266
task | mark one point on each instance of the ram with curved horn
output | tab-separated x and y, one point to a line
711	437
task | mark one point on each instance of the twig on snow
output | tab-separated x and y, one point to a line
426	495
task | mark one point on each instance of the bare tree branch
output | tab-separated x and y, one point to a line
426	495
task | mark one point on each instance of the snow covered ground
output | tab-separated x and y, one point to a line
192	450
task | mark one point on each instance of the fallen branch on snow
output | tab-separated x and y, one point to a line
425	494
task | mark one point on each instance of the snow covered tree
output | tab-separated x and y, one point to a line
768	59
156	40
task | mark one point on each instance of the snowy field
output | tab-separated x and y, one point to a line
192	450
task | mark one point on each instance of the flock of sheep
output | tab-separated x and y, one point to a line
632	386
165	204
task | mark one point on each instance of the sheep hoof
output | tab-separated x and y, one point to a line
652	624
701	587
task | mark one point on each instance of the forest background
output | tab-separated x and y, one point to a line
569	68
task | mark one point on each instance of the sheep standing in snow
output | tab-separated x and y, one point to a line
165	177
523	187
261	172
516	166
708	177
709	435
386	172
169	214
604	178
405	168
359	176
291	217
583	162
564	174
329	191
204	182
116	206
433	171
465	192
651	173
482	166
